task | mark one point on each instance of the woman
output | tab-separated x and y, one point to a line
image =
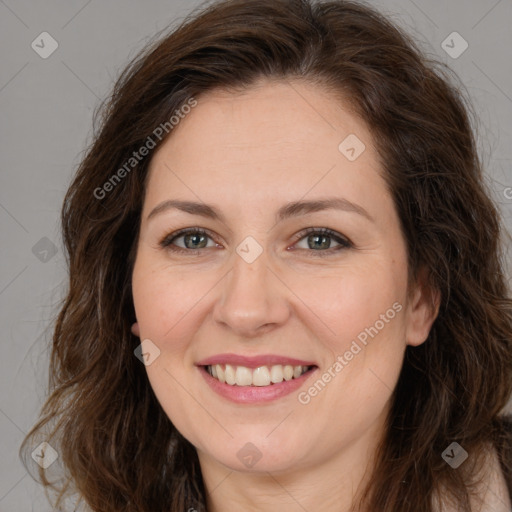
286	285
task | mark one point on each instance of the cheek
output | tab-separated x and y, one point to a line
167	303
349	301
165	298
362	316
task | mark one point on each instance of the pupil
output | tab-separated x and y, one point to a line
194	238
325	239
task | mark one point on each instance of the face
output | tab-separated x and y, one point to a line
276	284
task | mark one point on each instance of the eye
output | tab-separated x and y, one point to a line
194	239
318	240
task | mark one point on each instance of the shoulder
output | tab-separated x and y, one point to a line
490	493
495	495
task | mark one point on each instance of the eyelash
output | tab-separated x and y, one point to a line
166	242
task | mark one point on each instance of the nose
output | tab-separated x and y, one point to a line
253	298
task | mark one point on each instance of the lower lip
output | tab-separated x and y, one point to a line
255	394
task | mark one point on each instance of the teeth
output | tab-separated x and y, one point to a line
243	376
261	376
229	374
276	373
288	372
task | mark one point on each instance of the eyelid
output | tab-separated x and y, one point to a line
343	241
167	239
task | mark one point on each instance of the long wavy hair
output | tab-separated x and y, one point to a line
117	448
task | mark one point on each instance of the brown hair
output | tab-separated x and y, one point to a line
119	449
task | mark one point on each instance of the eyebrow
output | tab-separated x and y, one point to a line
293	209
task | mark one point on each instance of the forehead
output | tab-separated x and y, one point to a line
299	114
277	140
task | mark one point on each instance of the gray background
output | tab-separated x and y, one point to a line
46	121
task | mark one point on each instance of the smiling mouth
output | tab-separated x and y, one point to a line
261	376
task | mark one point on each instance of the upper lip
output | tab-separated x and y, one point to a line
253	361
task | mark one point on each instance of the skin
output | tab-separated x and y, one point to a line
249	153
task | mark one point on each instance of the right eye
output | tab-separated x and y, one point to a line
194	239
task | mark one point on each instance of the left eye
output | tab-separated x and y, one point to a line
195	239
321	239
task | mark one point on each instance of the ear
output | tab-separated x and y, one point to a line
422	310
135	329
